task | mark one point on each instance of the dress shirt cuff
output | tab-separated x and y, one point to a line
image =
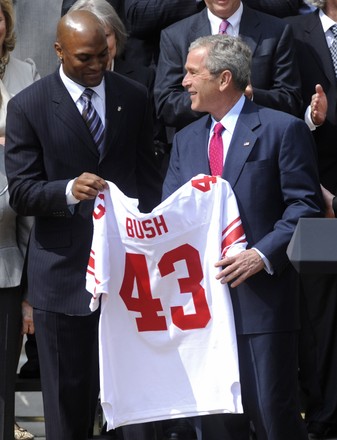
71	200
267	265
308	120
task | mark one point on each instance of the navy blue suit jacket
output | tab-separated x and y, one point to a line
274	74
316	67
272	168
48	144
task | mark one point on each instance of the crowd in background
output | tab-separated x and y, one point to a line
293	69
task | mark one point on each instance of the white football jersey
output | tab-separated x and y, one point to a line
167	337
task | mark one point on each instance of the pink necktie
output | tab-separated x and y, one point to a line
216	151
223	26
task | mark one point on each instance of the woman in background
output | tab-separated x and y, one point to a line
116	35
15	75
14	233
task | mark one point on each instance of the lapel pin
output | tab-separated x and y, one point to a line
119	108
246	144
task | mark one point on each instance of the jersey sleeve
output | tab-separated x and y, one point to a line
233	235
97	275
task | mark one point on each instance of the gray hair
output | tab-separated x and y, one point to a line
108	17
318	3
226	53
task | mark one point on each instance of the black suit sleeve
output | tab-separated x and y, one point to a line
279	8
145	17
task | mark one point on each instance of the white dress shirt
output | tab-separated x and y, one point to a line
98	101
233	20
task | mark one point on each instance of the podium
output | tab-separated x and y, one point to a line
313	246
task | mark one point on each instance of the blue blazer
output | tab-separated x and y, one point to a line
48	144
271	166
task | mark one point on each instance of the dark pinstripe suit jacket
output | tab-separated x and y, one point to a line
316	67
48	144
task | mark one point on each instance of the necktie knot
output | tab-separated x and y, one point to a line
334	30
216	150
223	26
87	95
218	129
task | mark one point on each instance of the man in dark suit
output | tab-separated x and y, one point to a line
269	161
274	78
55	168
313	38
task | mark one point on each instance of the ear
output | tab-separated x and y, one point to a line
59	51
225	79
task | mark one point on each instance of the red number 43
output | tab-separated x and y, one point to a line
137	274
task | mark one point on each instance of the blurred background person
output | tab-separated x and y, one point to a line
16	75
35	28
116	35
316	42
118	5
14	234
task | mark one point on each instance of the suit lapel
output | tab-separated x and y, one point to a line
114	114
242	143
315	40
250	30
199	147
201	27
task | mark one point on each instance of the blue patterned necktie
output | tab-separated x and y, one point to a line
333	47
92	119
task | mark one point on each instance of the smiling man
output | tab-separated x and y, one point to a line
275	184
55	167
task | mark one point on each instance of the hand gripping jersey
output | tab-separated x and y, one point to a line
167	337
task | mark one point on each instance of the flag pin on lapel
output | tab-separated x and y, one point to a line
119	108
246	144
